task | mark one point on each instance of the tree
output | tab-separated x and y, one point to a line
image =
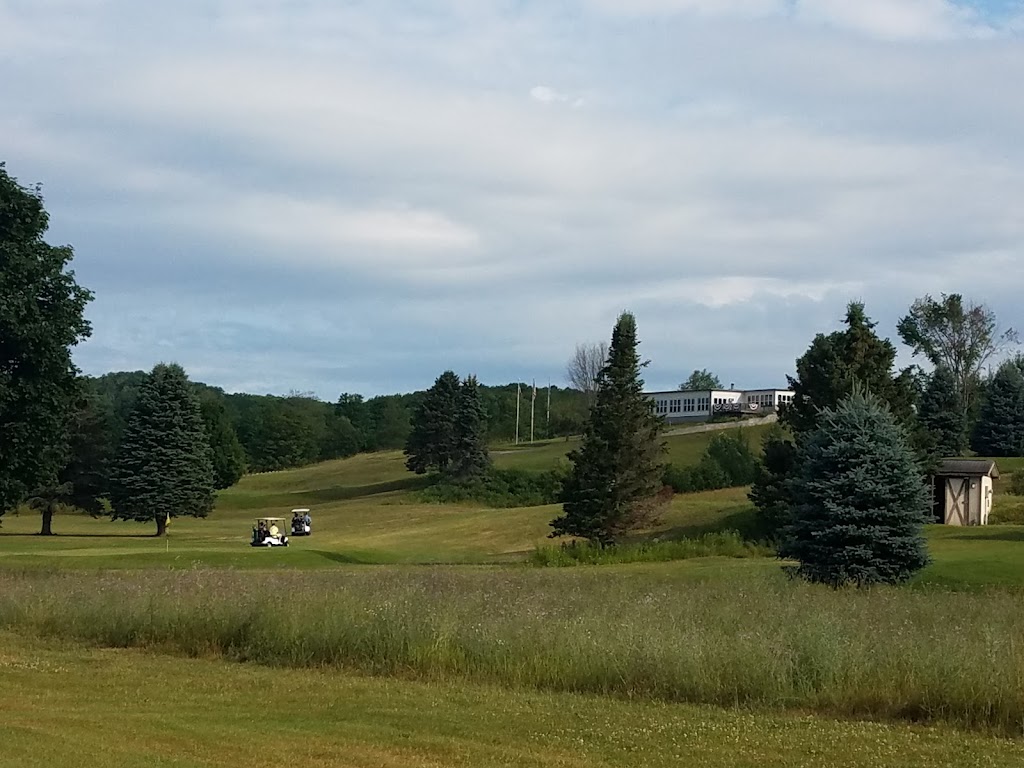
618	468
1000	427
958	336
41	318
860	499
354	408
470	458
84	480
942	416
341	439
163	468
770	492
585	366
836	363
226	452
431	443
701	380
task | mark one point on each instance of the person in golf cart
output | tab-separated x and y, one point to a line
302	523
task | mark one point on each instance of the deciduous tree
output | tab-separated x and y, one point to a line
585	366
960	336
163	467
41	319
618	468
701	380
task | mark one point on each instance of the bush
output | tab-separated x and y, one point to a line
1017	483
724	544
501	488
728	462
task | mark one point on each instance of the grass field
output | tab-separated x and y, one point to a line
477	658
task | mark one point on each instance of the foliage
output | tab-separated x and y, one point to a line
163	467
1017	483
469	458
226	452
770	492
860	499
84	480
41	318
958	336
1000	427
618	467
700	380
722	544
836	363
941	414
501	488
728	462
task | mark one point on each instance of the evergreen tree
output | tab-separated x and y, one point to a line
770	492
618	468
41	318
942	416
226	452
1000	427
163	468
836	363
860	499
431	443
470	459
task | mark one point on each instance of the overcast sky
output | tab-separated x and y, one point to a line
334	196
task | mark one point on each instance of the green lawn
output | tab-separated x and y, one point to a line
70	705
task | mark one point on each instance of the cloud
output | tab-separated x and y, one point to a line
354	197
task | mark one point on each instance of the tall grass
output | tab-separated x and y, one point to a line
722	544
753	639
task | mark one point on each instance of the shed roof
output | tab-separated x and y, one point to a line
961	467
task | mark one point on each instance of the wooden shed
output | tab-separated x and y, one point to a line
962	491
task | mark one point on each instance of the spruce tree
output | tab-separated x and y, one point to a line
770	492
431	442
942	416
470	459
163	467
618	468
860	499
1000	427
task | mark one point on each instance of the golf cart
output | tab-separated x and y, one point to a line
302	523
267	532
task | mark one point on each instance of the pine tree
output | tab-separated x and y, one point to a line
1000	427
861	499
227	453
164	467
837	363
770	492
470	459
431	442
942	415
618	468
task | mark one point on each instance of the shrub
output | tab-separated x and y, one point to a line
1017	483
501	488
728	462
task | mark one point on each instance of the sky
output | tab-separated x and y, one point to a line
336	196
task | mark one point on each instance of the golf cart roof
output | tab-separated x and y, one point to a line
270	519
301	509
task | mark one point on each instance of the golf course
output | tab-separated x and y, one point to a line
404	632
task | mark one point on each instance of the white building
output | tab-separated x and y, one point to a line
700	405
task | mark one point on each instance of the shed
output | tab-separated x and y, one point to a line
962	491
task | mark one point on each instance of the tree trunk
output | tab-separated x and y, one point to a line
47	529
161	526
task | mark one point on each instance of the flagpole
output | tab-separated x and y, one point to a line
518	395
533	407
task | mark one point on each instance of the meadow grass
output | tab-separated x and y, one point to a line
70	705
743	637
722	544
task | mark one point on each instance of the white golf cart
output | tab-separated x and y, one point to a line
302	523
267	532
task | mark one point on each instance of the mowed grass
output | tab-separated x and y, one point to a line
70	705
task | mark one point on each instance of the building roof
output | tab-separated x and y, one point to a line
960	467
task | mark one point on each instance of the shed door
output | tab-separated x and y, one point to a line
957	495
